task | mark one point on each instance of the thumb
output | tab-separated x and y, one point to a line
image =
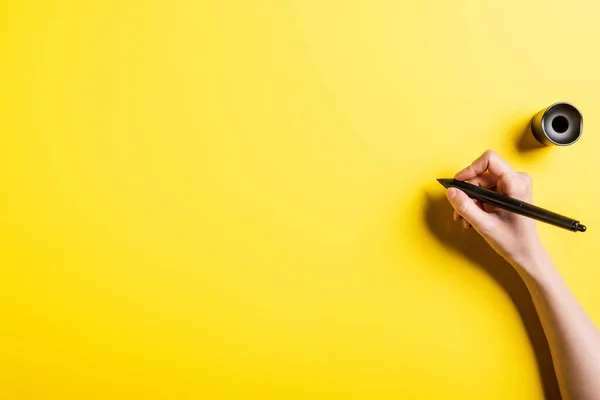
467	209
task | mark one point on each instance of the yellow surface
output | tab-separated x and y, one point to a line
237	199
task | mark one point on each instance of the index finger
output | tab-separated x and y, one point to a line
488	161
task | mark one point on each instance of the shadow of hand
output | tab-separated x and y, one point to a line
438	217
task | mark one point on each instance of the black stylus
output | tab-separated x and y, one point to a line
513	205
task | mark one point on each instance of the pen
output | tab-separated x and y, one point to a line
514	205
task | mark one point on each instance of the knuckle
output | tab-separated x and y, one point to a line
485	228
526	181
464	207
526	177
489	153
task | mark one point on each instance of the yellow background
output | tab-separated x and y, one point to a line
237	199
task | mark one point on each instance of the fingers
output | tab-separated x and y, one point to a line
457	217
527	186
488	161
464	222
519	186
466	208
485	180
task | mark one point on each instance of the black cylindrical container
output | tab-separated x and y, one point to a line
560	124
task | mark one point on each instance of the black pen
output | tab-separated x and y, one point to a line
514	205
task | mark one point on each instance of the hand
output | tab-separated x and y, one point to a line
512	236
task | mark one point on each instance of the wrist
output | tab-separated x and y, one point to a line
535	265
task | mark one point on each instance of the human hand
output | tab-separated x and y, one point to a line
512	236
